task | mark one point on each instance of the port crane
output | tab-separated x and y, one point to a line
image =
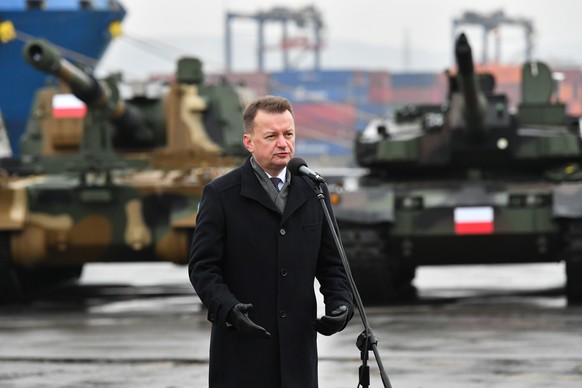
304	17
491	22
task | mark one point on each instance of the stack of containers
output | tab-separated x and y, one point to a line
331	105
418	88
258	81
379	101
507	81
570	90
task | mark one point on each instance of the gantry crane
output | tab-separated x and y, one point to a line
303	17
491	22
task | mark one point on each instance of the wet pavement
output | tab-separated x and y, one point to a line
142	326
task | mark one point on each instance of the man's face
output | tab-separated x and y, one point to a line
272	141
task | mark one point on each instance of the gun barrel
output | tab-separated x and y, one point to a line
43	57
474	105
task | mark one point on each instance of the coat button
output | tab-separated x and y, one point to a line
282	231
283	271
283	313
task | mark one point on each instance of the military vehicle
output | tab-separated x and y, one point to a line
5	148
110	171
466	182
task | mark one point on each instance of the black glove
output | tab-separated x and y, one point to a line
239	318
331	324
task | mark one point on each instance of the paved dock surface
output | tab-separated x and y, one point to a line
142	326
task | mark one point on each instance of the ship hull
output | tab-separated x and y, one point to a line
84	32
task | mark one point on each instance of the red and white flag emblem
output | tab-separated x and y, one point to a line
68	106
474	220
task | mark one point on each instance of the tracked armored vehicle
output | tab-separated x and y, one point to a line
468	182
109	171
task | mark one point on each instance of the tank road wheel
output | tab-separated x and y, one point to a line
380	279
18	283
573	259
10	289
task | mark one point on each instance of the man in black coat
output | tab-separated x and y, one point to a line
258	246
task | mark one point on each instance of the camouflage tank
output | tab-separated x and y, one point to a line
109	171
468	182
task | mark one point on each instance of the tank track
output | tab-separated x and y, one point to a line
19	283
573	260
10	288
380	277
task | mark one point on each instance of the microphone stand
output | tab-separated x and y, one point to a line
366	341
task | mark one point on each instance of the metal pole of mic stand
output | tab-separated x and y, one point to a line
366	341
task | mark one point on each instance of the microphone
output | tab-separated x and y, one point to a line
297	166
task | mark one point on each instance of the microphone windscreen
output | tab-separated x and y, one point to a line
294	165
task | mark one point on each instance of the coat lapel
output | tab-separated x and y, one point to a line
251	187
299	193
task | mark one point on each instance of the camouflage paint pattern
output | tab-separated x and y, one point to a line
121	182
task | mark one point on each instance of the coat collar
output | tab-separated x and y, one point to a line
299	191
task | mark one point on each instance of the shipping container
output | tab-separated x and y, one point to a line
380	79
566	92
380	94
570	89
318	148
320	93
442	84
259	82
298	94
418	95
513	93
326	77
570	73
325	121
574	107
503	74
412	80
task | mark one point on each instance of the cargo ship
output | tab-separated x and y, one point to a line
81	29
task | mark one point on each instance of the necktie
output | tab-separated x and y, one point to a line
275	182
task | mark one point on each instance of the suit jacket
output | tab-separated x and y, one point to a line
244	250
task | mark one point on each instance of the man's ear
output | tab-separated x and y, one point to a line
248	142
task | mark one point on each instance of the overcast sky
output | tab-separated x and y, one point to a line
396	35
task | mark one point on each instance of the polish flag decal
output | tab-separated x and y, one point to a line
474	220
66	106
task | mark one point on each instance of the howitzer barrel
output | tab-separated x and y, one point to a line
474	104
42	56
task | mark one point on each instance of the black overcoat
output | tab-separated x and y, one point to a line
244	250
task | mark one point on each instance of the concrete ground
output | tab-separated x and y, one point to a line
498	326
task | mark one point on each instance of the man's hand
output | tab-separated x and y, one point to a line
239	318
331	324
